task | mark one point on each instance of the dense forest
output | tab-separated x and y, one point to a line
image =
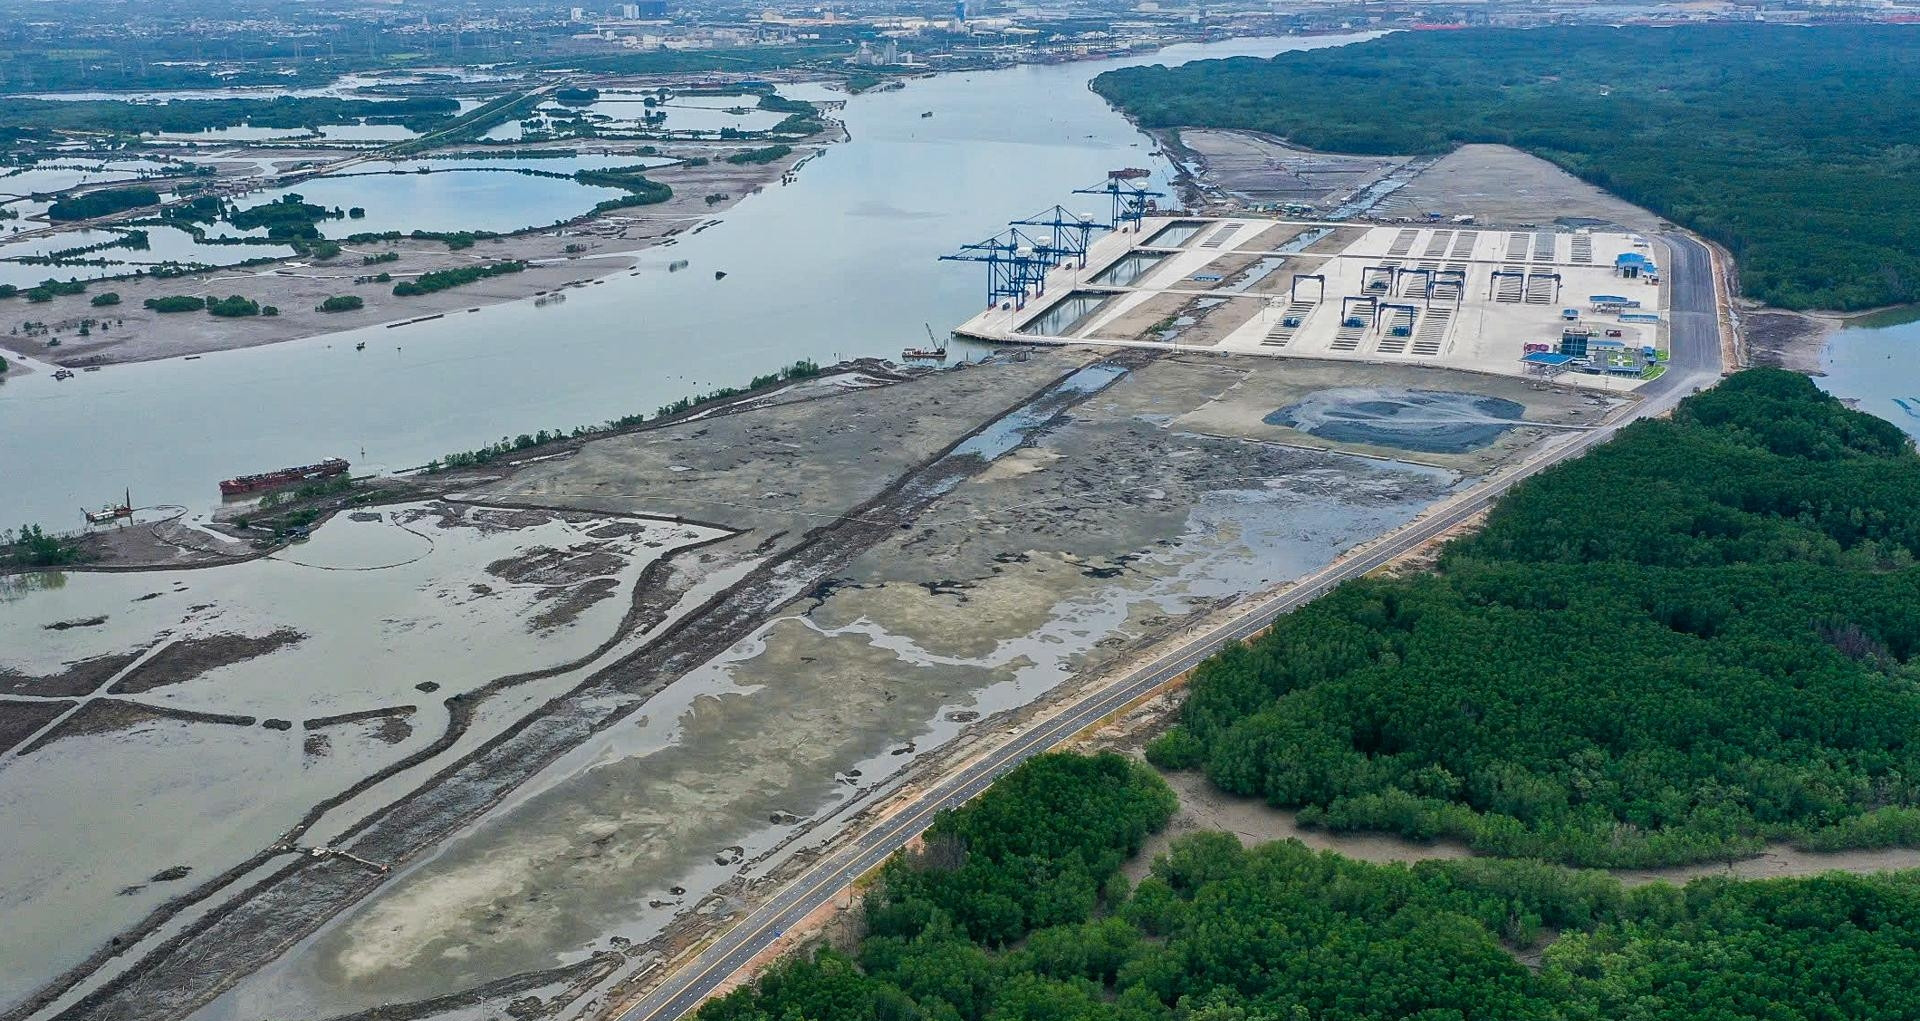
1794	147
1693	640
1015	911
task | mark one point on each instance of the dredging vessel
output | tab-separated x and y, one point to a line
244	484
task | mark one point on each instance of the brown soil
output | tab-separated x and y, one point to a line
1261	168
321	722
1138	321
1786	340
544	565
188	658
1501	185
1212	325
1336	242
81	677
107	715
19	720
571	601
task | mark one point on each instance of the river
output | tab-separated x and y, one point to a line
839	264
1871	361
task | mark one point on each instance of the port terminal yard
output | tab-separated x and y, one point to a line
1438	294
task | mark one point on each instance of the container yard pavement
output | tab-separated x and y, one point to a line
1437	295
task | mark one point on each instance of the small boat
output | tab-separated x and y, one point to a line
362	346
935	352
63	374
719	274
929	113
111	513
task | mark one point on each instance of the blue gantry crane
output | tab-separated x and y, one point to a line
1071	232
1130	201
1017	264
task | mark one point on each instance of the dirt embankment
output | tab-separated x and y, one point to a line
107	715
82	677
188	658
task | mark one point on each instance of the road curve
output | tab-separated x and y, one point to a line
1694	362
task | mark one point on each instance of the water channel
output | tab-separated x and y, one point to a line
1871	362
841	263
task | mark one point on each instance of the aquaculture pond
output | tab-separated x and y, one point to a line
355	132
451	195
53	176
164	245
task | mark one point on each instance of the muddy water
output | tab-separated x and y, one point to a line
843	260
398	598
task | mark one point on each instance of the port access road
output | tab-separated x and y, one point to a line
1694	362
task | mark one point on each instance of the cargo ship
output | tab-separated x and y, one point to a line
244	484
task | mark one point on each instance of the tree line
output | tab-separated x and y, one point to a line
1016	910
1692	641
1773	141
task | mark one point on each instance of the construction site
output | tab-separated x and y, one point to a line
1543	302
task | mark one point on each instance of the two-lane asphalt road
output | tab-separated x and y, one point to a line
1694	362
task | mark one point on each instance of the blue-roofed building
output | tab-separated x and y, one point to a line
1545	363
1634	264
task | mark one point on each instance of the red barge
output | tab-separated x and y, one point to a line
244	484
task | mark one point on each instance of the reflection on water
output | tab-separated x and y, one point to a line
1174	234
1068	313
1872	362
1128	268
19	586
1014	428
